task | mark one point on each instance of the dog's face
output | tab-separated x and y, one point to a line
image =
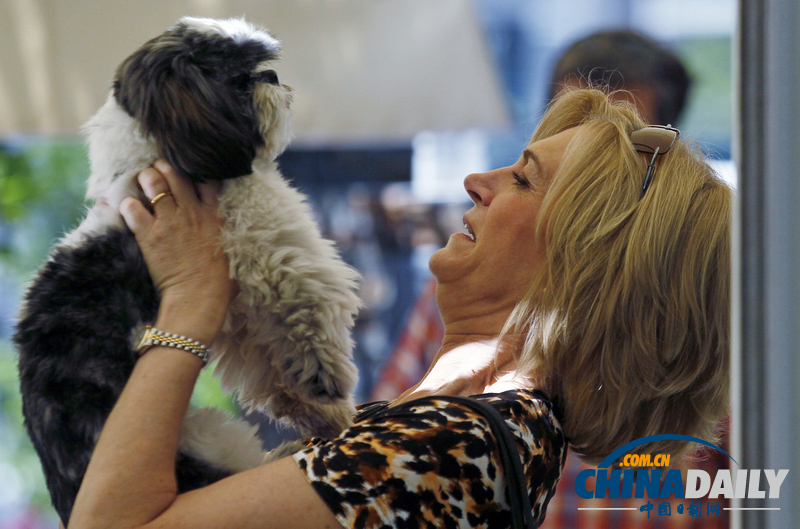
204	94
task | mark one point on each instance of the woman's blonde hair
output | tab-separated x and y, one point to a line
630	320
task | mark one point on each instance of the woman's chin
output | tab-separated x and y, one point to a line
447	264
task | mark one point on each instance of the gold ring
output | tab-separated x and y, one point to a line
159	197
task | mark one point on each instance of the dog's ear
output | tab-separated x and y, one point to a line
200	116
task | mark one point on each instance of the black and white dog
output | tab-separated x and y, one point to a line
203	96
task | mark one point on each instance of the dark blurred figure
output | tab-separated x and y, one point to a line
626	60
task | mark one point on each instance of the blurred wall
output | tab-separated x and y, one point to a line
363	70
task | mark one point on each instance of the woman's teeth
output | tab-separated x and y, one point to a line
469	231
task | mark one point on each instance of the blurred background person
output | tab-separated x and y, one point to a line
646	73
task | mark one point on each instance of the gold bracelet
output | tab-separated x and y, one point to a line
153	336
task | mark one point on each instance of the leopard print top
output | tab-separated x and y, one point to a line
434	463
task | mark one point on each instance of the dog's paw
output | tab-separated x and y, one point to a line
286	448
323	386
320	381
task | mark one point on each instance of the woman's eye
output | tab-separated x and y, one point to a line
521	180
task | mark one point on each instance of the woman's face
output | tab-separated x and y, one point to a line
497	265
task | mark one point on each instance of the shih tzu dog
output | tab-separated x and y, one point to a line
203	96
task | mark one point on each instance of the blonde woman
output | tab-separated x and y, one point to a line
587	303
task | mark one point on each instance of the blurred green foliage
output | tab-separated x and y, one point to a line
207	392
41	197
17	455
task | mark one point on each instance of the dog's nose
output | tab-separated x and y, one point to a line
267	76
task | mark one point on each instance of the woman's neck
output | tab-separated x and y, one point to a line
468	364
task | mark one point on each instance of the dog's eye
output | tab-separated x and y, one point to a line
267	76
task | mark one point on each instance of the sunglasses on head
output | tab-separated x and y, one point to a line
655	140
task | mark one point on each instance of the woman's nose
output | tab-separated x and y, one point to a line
479	188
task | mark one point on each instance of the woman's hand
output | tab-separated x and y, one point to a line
180	243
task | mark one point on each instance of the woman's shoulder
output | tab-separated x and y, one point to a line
528	413
522	402
511	403
534	419
527	406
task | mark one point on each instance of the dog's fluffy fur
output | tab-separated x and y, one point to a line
203	96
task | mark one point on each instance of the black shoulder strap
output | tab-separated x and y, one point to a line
370	409
517	492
